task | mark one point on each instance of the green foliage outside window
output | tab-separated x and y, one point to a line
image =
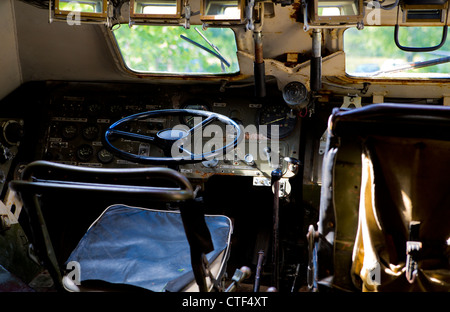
160	49
373	48
74	6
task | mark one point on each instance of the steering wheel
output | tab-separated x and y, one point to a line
171	139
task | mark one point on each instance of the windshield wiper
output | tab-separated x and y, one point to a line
413	65
216	51
212	46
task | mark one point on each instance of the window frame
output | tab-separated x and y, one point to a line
199	76
410	77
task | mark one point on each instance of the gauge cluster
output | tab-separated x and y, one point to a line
276	114
79	115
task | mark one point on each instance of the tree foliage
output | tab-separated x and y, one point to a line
160	49
376	44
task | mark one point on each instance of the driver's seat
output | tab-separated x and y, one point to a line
126	247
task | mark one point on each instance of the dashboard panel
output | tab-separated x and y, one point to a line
78	114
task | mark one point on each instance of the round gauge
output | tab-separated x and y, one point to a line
276	117
90	132
191	121
69	131
85	152
104	156
94	108
12	132
116	109
295	93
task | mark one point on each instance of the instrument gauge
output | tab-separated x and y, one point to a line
104	156
276	116
94	108
69	131
90	132
295	93
85	152
191	121
116	109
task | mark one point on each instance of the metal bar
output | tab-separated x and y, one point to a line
276	176
258	271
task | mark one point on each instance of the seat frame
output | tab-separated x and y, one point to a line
44	177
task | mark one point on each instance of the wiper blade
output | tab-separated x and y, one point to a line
215	53
212	46
413	65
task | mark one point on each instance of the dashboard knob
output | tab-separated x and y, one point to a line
249	160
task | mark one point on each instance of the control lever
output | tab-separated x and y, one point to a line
276	176
258	271
239	275
297	271
268	153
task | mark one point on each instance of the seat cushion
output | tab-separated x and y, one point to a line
143	247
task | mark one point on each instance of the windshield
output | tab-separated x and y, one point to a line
371	52
176	50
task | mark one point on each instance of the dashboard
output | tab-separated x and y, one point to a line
76	116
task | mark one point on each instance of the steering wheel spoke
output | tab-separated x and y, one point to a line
203	124
132	136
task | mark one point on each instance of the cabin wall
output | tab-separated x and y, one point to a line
46	54
11	76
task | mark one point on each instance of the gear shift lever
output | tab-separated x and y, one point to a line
276	176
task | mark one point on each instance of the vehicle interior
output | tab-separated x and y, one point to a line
224	145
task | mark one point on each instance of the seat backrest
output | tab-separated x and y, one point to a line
400	215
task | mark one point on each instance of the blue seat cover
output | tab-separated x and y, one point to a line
143	247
